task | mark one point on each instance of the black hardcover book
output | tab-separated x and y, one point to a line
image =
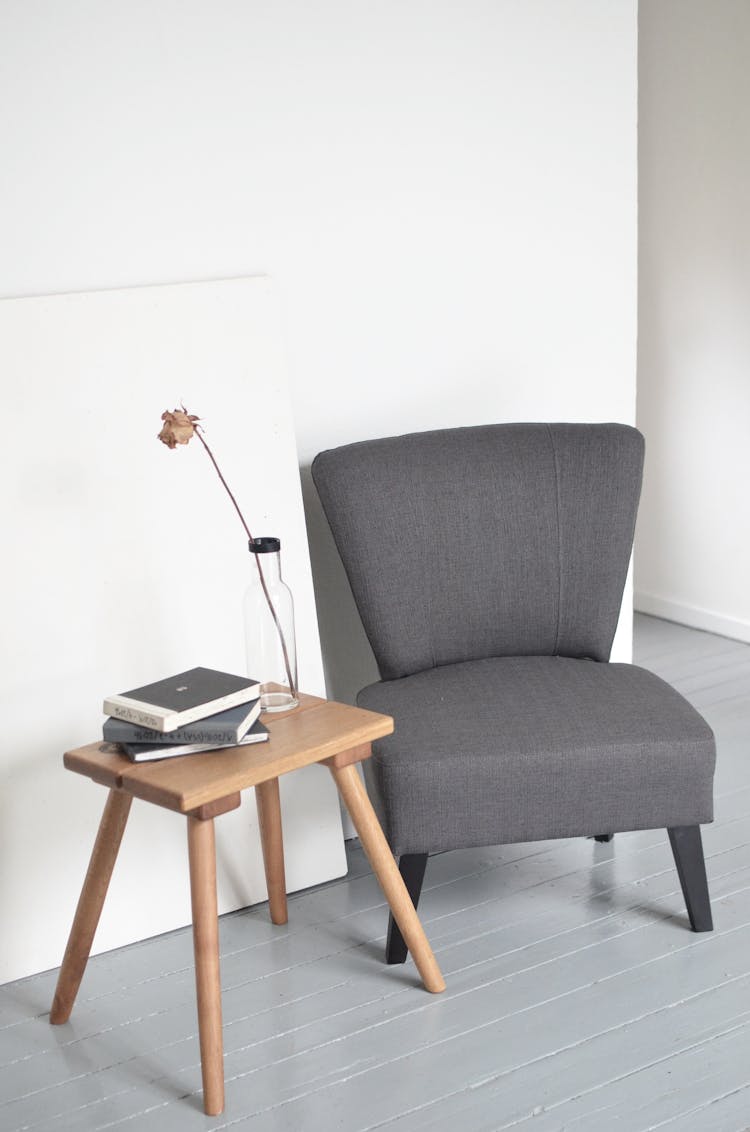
181	699
148	752
223	727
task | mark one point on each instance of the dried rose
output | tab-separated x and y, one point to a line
178	427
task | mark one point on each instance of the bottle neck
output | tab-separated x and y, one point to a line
270	564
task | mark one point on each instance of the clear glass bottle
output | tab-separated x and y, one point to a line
270	643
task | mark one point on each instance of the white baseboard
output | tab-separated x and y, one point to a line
693	616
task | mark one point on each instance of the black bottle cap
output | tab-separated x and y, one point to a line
264	545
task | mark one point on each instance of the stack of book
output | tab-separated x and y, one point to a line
194	711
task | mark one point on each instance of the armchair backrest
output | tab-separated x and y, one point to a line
496	540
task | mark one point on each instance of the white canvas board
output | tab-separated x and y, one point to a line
125	562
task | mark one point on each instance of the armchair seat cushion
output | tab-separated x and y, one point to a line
526	748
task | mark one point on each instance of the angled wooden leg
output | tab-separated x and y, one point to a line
269	820
687	848
202	854
379	854
90	903
412	868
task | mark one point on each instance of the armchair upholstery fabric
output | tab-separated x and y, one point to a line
498	540
525	748
488	567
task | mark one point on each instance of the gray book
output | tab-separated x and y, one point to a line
223	727
146	752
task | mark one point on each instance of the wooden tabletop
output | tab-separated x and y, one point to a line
315	731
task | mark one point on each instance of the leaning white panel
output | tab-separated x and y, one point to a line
125	562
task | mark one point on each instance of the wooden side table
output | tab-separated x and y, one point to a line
203	787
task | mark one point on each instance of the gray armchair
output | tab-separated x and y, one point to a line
488	567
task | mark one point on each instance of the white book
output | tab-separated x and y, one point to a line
181	699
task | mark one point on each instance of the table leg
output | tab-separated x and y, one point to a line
202	854
269	820
384	866
90	904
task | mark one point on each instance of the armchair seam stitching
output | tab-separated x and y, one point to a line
559	538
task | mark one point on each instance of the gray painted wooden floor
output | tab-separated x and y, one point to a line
577	997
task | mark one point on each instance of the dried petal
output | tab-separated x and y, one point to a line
179	427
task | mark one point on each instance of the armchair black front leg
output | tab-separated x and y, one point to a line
412	867
687	848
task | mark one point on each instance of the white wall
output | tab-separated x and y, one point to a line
693	542
444	192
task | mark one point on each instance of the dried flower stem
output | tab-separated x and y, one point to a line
287	665
199	434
